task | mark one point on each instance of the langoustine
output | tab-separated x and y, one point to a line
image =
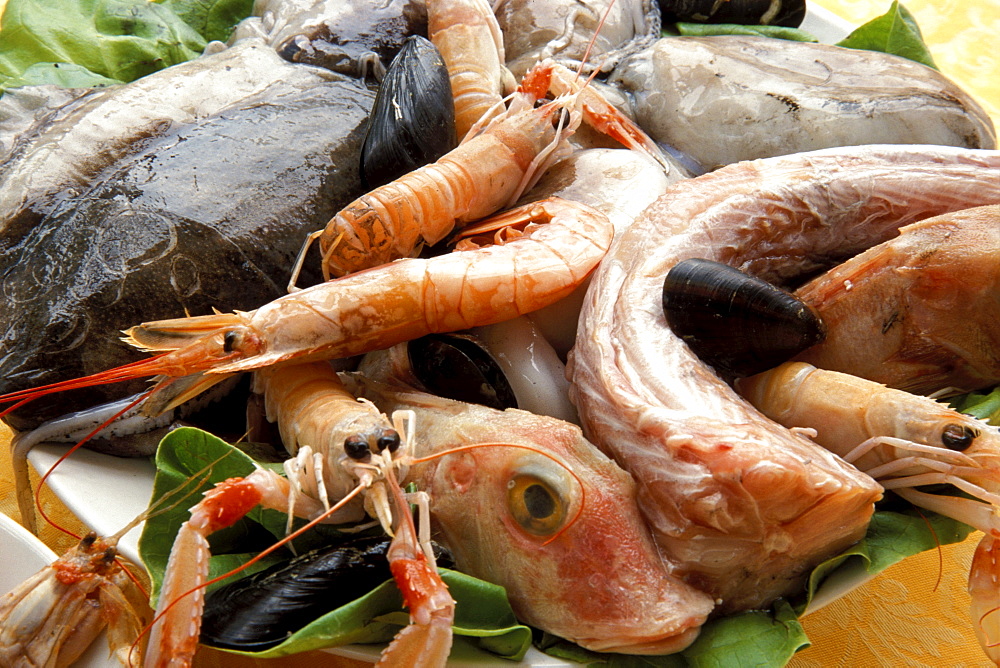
926	303
905	442
739	505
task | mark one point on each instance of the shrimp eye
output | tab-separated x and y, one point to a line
390	439
230	340
535	505
357	448
958	436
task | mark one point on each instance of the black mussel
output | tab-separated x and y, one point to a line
263	609
739	324
456	367
413	120
788	13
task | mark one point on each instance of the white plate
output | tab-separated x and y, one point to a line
24	555
108	492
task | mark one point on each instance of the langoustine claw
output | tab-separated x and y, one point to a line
984	587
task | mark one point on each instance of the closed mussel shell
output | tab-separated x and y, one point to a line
457	367
788	13
413	120
260	611
739	324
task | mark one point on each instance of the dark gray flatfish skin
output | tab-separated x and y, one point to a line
54	150
209	215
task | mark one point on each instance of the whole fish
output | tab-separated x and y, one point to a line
204	214
541	512
740	505
759	97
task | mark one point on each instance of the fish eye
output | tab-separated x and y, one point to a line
231	340
535	505
958	436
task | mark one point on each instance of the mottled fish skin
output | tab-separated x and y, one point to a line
741	506
58	157
600	581
758	97
209	214
340	35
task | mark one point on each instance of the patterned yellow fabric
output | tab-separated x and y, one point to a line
905	616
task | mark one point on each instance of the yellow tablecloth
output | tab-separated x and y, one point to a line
905	616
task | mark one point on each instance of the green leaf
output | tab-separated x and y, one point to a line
982	405
711	29
212	19
117	39
191	461
894	32
66	75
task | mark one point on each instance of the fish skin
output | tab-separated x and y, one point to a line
600	583
759	97
742	507
206	214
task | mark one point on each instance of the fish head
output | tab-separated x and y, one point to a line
555	522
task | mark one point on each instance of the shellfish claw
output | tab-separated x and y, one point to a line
739	324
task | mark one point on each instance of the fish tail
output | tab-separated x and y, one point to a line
161	335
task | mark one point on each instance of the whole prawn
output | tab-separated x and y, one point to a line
560	244
904	441
778	502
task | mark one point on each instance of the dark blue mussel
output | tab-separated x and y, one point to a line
413	120
457	367
260	611
788	13
739	324
196	216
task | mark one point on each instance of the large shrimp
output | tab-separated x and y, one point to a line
342	447
468	36
561	243
742	505
508	154
904	441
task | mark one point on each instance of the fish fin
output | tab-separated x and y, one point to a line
175	333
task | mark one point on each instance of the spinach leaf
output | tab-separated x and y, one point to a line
894	32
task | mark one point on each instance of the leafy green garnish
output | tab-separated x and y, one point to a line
118	39
192	460
710	29
894	32
982	405
212	19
